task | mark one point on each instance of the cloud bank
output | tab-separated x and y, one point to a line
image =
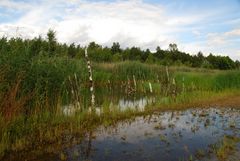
131	23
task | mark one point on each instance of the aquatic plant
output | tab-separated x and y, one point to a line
227	146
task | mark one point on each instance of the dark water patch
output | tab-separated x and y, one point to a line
176	135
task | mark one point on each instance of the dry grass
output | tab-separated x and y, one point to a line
11	104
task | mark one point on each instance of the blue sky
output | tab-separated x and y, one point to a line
210	26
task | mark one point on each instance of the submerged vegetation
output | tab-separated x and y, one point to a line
38	78
227	146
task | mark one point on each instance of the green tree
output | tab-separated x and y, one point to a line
237	64
150	59
145	55
52	42
35	46
93	46
72	51
160	54
173	47
116	48
135	53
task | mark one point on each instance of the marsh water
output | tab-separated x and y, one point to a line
189	134
122	103
170	135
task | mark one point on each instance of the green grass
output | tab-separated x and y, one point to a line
124	71
216	80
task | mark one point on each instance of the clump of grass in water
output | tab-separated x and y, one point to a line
227	147
200	153
159	127
164	139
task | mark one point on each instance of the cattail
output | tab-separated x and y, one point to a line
174	89
143	87
168	79
174	82
77	91
128	86
150	87
69	78
90	79
109	84
135	84
183	85
75	76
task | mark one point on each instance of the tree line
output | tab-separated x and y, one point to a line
50	47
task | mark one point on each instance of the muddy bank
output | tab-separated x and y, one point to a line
232	101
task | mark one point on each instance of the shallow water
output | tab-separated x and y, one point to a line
171	136
121	103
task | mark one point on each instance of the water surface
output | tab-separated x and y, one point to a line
171	135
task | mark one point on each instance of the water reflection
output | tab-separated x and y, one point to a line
122	103
169	136
135	104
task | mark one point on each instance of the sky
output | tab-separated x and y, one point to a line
210	26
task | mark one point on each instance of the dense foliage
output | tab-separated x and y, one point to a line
51	48
43	72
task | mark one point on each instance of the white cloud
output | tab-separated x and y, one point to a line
196	32
14	6
224	38
129	22
217	43
235	32
132	23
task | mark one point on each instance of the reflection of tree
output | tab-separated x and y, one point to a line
85	147
89	145
172	115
